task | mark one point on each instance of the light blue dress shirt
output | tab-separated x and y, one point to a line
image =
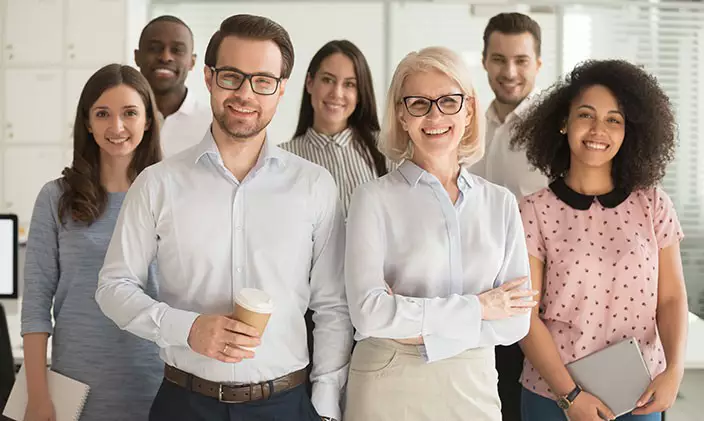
280	229
436	256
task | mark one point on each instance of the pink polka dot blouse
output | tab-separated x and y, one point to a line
601	269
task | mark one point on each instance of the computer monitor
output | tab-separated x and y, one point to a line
8	256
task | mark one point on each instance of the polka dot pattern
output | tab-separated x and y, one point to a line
601	273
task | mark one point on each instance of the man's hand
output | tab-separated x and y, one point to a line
219	337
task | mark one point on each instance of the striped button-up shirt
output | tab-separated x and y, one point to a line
349	162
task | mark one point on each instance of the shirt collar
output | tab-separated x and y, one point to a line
412	173
269	153
187	107
519	112
581	201
320	140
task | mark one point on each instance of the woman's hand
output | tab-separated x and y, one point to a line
40	408
508	300
661	393
587	407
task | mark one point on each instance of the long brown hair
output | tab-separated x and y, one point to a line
84	198
364	120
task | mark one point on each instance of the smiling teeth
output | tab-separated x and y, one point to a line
437	131
117	141
242	110
596	146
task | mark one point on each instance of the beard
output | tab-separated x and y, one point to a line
238	129
510	99
513	100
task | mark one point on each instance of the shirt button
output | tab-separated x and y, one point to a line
239	270
238	228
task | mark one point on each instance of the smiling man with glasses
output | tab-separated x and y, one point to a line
236	211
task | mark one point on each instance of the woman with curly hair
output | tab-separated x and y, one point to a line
115	137
603	239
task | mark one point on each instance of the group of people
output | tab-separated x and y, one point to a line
411	264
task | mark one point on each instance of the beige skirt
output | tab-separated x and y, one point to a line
389	381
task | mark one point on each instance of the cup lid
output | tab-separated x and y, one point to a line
255	300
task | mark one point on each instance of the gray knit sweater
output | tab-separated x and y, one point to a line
123	371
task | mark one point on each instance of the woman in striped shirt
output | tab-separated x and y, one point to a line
338	123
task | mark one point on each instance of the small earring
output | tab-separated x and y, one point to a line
563	131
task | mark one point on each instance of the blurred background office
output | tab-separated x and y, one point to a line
50	47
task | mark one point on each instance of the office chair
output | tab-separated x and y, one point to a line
7	362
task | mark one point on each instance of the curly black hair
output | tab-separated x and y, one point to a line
649	142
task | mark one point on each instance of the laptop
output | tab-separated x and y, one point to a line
8	256
617	375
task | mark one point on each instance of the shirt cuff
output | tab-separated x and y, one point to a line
326	400
176	326
464	326
437	348
37	327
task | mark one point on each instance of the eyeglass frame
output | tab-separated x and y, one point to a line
247	76
434	101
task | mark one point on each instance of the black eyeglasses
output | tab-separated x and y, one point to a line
232	79
418	106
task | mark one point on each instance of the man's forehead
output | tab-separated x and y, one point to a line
512	44
167	32
250	56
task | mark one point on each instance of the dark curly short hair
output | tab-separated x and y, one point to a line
649	142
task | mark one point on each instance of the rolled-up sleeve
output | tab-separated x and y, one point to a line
123	279
42	269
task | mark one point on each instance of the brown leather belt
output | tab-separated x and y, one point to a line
234	393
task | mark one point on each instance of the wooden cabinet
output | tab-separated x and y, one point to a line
33	106
33	32
25	170
95	32
48	50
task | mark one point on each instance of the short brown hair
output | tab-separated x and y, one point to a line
514	24
252	27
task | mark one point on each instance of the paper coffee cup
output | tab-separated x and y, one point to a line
253	307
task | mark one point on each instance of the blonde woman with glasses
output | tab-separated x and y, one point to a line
436	264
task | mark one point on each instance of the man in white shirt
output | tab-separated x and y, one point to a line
511	58
165	57
236	211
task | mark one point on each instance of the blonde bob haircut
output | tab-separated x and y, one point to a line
394	141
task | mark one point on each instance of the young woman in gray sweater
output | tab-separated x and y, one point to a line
116	136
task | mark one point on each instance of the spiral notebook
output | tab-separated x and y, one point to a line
68	395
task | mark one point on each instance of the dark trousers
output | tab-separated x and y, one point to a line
509	364
309	328
174	403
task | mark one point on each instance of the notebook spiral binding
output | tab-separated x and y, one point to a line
79	410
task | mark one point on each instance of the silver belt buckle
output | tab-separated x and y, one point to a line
224	400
